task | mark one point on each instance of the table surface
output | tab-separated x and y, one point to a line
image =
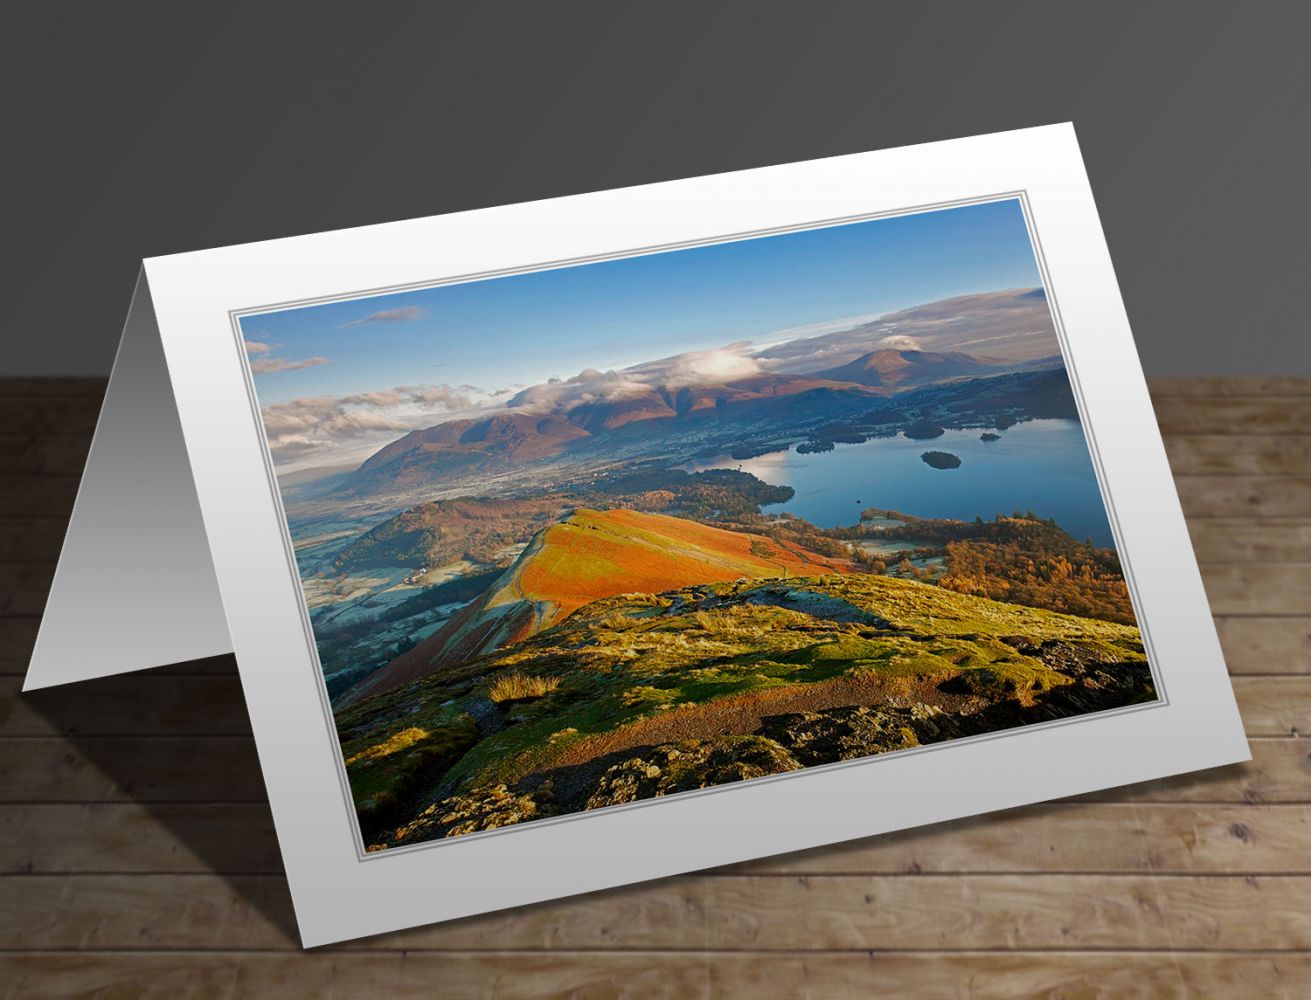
139	857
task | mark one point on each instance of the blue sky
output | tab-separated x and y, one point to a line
526	328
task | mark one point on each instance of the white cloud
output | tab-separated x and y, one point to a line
329	430
254	347
900	342
267	366
402	314
711	367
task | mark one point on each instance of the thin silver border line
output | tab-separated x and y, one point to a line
236	315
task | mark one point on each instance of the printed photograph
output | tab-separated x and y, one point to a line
591	535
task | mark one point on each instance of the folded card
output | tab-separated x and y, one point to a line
580	542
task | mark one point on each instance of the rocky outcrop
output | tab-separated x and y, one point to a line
678	767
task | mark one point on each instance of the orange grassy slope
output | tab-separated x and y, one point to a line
589	555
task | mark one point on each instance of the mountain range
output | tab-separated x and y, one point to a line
546	421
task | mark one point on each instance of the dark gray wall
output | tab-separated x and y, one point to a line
138	129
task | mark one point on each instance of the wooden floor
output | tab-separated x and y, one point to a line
138	856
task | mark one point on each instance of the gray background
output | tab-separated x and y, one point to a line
142	129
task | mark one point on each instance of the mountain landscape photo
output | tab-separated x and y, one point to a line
577	538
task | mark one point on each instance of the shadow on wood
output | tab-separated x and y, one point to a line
82	713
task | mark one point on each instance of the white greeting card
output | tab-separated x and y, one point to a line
575	543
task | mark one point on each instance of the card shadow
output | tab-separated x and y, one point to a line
211	800
210	796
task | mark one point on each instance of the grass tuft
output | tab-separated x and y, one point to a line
518	687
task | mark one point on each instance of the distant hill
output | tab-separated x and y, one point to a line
518	435
905	369
589	555
1014	325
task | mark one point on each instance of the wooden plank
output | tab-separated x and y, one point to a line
643	974
173	975
1244	496
62	385
226	769
173	769
149	702
1077	837
1263	645
1064	837
1239	454
1228	385
17	636
42	497
31	541
50	415
1227	540
35	455
964	913
1262	414
1274	706
1258	588
1002	976
129	837
24	587
756	913
254	912
1279	771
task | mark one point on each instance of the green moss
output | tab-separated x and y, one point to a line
625	658
384	772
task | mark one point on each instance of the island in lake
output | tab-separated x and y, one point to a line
989	436
941	460
923	430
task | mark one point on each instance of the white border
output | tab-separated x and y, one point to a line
338	896
348	804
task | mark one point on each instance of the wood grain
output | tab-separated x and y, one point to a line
1065	837
154	703
50	415
1266	645
24	587
1258	588
137	853
662	975
1238	454
38	497
226	769
40	455
1229	540
1265	414
719	913
1244	496
1161	386
31	542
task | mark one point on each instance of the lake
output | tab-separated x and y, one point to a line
1039	465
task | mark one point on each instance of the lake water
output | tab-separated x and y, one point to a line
1040	465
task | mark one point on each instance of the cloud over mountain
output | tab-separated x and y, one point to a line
710	367
1014	325
342	428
